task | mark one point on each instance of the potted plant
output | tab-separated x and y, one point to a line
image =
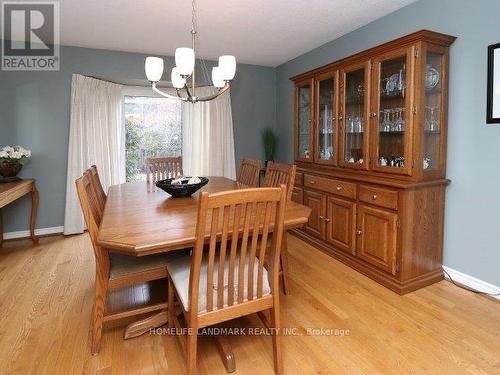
269	141
12	160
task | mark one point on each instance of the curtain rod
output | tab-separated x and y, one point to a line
104	80
124	84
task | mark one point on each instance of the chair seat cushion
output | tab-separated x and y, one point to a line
126	265
179	270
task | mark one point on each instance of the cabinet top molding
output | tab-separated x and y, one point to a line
422	35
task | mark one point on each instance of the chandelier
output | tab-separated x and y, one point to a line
184	71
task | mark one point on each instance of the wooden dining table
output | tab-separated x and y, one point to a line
139	219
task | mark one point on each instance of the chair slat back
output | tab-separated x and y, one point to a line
90	207
249	172
240	224
162	168
278	174
99	191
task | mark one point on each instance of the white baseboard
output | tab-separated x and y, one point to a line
38	232
472	282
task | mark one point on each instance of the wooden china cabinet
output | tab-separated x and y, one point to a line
370	146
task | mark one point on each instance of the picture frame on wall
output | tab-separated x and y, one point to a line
493	100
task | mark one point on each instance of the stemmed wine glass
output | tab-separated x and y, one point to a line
431	123
399	123
385	125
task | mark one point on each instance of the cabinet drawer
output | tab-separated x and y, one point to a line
379	196
299	179
331	185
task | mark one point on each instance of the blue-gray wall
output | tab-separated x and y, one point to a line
35	113
472	227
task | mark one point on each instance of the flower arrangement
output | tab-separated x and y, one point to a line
12	160
9	153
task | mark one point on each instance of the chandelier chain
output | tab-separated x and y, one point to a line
193	17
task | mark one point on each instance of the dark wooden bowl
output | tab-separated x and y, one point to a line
181	190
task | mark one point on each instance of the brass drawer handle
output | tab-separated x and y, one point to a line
312	182
358	232
339	188
374	196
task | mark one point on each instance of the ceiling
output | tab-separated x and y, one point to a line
263	32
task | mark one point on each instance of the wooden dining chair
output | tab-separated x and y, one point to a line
276	174
249	172
98	190
162	168
115	271
225	280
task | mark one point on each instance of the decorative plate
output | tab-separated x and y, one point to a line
432	77
392	83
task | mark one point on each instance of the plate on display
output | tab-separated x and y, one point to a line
392	84
432	77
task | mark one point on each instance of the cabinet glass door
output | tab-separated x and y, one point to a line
304	120
391	116
354	116
433	113
326	125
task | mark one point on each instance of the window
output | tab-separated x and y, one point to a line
153	128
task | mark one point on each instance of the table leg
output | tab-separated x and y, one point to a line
226	353
142	326
34	211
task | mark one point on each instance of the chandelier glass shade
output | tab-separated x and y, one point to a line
183	75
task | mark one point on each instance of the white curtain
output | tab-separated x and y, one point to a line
207	136
95	137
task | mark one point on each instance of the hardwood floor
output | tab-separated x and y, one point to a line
46	301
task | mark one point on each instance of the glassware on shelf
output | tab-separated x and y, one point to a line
433	99
401	80
393	85
431	123
326	154
392	120
350	124
385	125
427	163
397	162
358	124
432	77
399	122
304	111
354	123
